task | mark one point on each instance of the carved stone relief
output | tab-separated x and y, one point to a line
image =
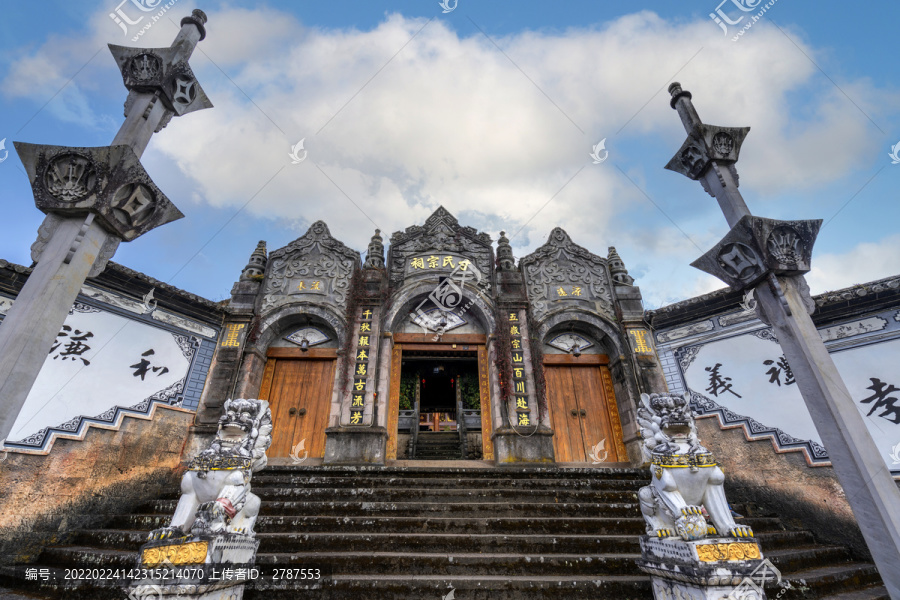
562	270
315	267
440	235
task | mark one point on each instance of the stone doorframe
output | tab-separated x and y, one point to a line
275	325
448	342
624	381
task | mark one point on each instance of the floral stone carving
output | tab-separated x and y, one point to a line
561	271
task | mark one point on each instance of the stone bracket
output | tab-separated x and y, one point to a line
708	145
159	71
108	182
757	247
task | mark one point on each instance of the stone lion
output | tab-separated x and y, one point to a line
685	479
215	491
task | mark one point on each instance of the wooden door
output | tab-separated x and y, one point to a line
583	413
299	395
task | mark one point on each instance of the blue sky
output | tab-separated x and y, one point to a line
490	110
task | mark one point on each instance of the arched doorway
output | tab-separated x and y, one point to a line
581	399
439	404
298	382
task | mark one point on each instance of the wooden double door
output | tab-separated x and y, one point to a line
583	411
298	389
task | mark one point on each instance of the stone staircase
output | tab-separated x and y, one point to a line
438	445
418	533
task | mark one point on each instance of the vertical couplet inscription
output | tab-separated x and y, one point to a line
361	368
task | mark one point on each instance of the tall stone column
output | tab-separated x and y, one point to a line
770	258
94	198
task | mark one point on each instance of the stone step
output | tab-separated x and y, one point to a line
390	524
8	594
58	586
878	592
793	559
439	454
441	473
286	480
386	563
458	564
406	542
829	579
775	540
437	587
422	495
429	509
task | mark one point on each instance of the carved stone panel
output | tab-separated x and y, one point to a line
315	268
161	71
561	271
440	244
756	246
108	181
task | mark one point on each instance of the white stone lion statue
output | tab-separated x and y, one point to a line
684	478
215	491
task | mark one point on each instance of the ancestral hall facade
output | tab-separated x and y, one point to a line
361	361
436	345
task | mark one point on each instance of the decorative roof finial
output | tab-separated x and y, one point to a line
617	268
256	266
375	254
505	254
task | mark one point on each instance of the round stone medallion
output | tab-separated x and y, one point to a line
69	177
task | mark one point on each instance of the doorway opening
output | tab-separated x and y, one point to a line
440	406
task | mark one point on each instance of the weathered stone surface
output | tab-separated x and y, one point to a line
561	274
82	483
803	497
528	446
355	445
443	234
316	257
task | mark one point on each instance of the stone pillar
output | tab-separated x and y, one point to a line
522	437
94	198
359	437
229	375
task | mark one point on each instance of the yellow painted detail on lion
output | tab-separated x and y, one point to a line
726	552
191	553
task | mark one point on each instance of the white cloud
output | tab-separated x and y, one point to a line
450	120
866	262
